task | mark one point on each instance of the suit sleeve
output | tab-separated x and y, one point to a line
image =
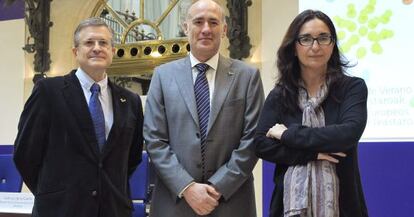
32	136
169	169
135	154
273	150
338	137
229	177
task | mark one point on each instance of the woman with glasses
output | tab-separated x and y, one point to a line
311	123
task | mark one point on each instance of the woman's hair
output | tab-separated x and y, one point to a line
288	62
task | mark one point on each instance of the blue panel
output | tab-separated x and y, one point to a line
10	179
14	11
139	210
139	180
6	149
268	186
387	178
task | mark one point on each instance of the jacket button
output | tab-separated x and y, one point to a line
198	135
198	165
94	193
100	165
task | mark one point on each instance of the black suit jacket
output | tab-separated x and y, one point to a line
345	118
56	151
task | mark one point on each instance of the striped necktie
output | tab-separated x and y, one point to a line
202	96
97	115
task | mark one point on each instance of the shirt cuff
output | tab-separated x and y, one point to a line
180	195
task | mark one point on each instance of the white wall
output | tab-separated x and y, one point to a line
276	17
11	77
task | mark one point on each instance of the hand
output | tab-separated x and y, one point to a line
199	197
276	131
329	156
215	194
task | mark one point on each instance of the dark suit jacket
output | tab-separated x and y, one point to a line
56	151
345	120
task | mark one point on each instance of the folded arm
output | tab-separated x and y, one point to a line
271	149
338	137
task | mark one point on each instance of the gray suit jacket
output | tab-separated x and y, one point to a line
172	135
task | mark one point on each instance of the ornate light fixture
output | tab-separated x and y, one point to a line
37	17
141	45
238	33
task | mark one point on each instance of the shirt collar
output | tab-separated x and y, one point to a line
86	81
212	62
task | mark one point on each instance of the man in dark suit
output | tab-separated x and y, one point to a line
80	135
200	116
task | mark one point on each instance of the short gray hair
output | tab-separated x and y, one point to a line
92	21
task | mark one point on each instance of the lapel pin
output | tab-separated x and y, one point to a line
230	73
123	100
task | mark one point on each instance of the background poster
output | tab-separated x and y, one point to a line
377	36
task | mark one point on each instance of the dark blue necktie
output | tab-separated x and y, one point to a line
202	96
97	115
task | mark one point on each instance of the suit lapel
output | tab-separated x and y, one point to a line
224	79
75	99
120	111
184	78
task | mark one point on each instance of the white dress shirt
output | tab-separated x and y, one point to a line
105	97
210	74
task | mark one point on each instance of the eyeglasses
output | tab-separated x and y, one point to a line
309	40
